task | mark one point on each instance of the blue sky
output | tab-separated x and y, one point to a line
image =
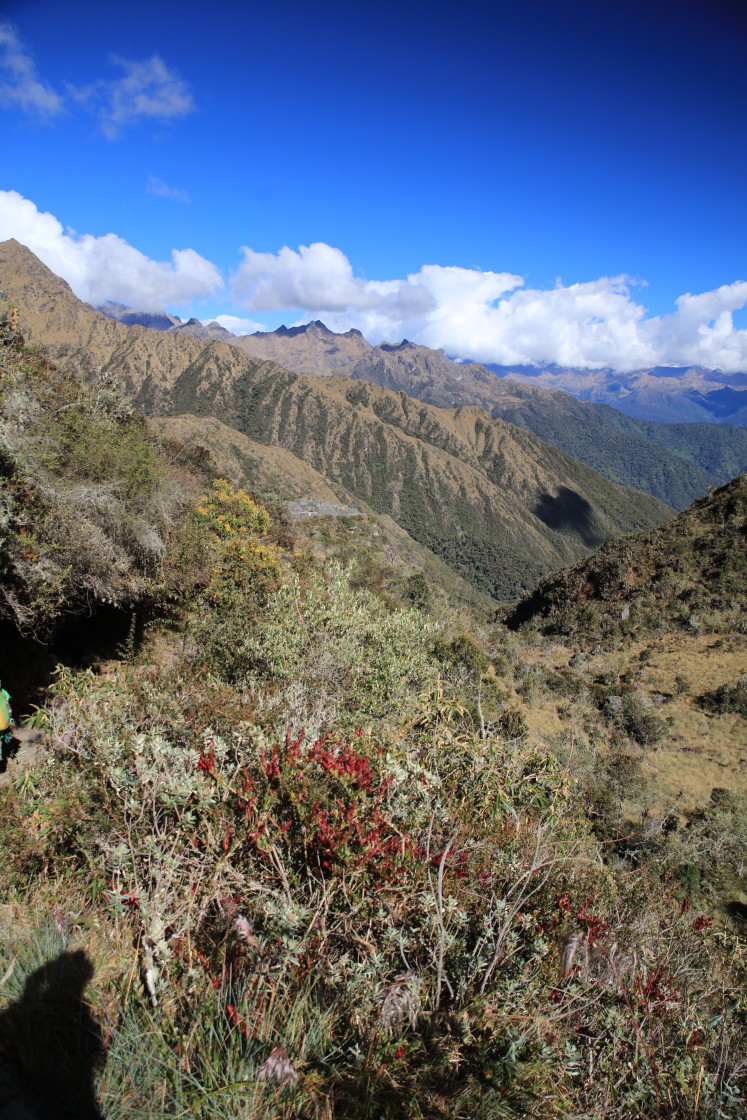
477	176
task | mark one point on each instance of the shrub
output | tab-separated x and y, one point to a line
512	724
333	641
640	722
730	697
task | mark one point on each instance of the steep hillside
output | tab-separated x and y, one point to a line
720	449
499	505
87	502
690	574
495	502
651	633
674	462
229	454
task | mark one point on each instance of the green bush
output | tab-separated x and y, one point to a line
339	644
730	697
641	722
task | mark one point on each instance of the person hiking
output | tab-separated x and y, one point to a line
6	721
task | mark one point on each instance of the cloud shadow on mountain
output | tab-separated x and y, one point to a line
566	512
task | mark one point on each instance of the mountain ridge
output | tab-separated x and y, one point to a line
634	452
644	454
687	574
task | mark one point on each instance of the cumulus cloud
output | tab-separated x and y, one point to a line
702	331
20	85
477	315
491	317
319	276
107	267
160	189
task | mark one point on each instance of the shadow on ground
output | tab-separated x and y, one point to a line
51	1049
28	666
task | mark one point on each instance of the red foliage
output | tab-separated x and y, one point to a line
347	825
594	927
206	762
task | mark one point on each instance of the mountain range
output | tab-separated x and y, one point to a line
492	500
687	394
673	462
666	393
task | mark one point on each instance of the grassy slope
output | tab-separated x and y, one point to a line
688	573
279	475
662	614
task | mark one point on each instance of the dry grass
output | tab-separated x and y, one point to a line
703	750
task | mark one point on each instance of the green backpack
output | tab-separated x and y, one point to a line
5	714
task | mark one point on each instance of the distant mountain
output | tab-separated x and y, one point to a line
493	501
153	320
162	321
663	393
687	575
660	394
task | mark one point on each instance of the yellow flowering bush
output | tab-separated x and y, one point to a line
243	563
230	512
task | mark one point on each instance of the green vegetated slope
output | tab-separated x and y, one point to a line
676	462
375	540
86	501
689	573
673	462
718	448
309	843
496	503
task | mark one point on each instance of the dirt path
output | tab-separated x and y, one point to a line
27	748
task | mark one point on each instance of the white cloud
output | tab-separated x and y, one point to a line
236	325
22	88
148	90
157	187
702	330
107	267
491	317
483	316
319	276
